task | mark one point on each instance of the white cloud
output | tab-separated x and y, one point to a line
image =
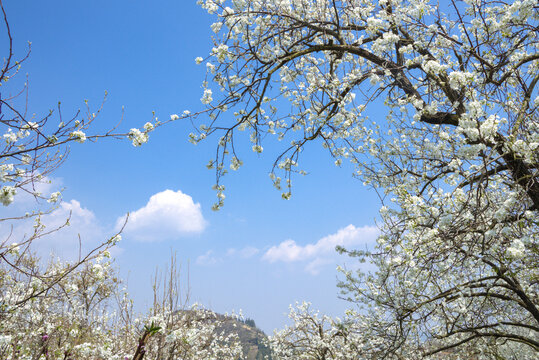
321	252
73	211
82	234
83	226
167	215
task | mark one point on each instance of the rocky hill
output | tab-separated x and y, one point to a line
252	339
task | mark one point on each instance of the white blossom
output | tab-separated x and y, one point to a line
7	194
137	137
78	135
207	96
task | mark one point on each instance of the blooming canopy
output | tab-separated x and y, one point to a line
455	159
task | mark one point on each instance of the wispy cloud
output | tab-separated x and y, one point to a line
211	258
323	251
208	259
245	253
167	215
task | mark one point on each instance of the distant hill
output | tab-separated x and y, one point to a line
252	339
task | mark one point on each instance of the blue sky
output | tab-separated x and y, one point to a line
259	253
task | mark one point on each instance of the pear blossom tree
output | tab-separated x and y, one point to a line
454	158
73	319
32	147
319	337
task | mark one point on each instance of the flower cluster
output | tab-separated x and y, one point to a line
138	137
